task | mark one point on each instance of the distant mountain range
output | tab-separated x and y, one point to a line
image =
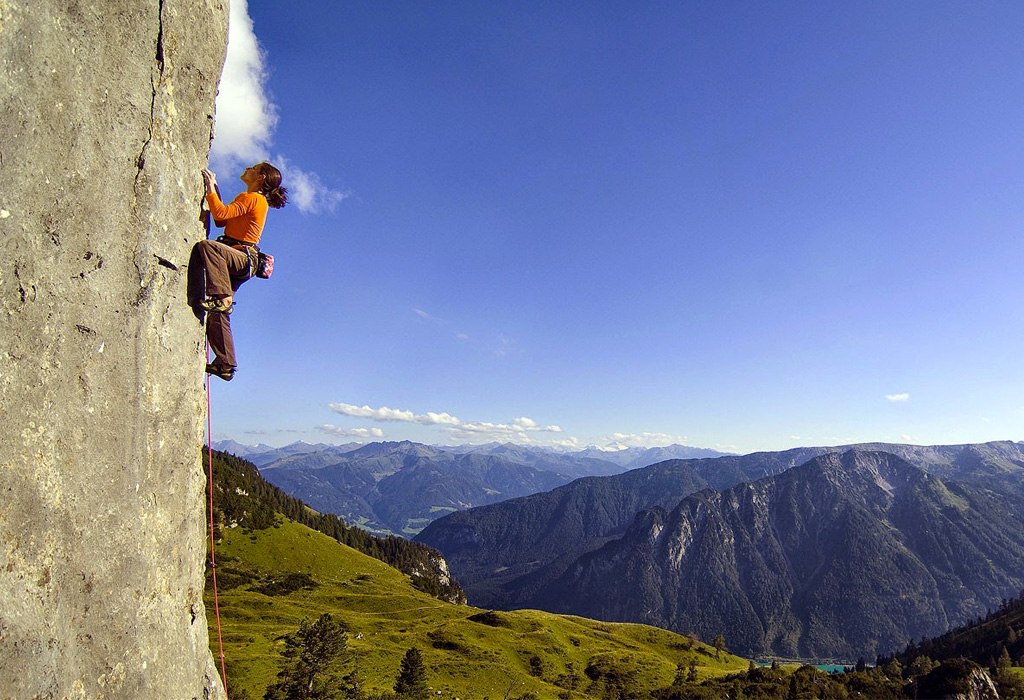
260	454
814	552
400	487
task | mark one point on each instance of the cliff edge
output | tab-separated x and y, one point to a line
106	112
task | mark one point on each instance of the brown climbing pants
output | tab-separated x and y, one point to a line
216	270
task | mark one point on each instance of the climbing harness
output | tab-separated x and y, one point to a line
213	558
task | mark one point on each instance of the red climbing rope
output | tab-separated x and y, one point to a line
213	559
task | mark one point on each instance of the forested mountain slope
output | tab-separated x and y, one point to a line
844	557
242	498
985	640
503	551
493	546
399	487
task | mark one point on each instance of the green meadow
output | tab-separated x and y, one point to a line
270	580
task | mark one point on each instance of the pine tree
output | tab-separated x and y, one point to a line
412	676
1004	660
314	652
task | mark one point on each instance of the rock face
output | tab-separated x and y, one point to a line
105	120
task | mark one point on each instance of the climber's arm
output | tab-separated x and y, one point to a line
243	203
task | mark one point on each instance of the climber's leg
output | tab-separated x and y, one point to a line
211	269
218	332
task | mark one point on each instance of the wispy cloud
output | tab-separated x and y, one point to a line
518	430
351	432
897	398
306	189
246	116
507	345
461	336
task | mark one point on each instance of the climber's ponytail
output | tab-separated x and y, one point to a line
276	195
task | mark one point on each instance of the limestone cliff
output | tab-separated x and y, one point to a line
105	121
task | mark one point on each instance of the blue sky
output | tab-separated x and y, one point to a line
739	225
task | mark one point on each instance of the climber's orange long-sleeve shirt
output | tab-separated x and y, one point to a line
243	219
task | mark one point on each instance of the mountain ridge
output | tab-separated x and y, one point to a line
617	574
399	487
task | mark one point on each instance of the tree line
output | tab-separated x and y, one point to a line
319	666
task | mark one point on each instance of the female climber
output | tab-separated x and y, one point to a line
218	268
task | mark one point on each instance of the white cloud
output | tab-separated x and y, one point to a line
897	398
381	414
519	430
246	117
351	432
306	190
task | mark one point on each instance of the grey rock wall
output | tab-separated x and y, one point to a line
105	121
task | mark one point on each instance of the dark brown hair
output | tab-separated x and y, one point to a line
276	195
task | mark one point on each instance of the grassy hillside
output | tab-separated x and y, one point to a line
469	653
242	497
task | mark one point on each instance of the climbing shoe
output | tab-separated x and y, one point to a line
222	305
222	371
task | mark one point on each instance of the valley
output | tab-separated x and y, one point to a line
808	553
816	553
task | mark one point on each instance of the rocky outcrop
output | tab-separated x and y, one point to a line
106	112
957	679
